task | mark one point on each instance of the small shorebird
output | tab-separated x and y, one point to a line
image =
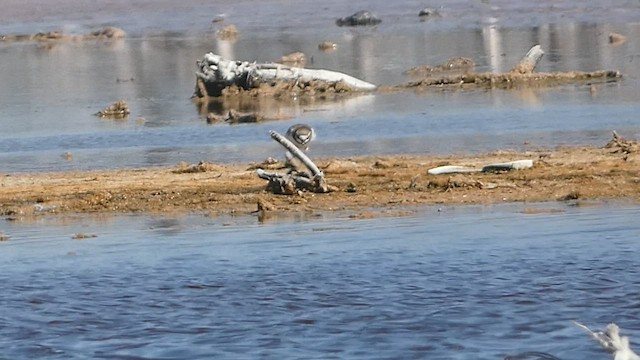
301	135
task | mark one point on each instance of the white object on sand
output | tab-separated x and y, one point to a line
451	169
508	166
505	166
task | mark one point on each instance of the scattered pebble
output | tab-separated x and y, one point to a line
327	46
616	39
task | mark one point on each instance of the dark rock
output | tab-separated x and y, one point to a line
361	18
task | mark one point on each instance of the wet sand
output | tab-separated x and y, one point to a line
366	186
385	182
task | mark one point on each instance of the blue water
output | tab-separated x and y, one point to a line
448	283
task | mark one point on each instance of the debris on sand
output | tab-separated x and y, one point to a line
106	33
522	74
454	64
202	166
361	18
217	77
622	145
489	168
117	110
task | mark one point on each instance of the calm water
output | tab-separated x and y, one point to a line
49	93
459	283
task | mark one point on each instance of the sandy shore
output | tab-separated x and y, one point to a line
379	183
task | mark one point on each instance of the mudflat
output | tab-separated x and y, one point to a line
363	185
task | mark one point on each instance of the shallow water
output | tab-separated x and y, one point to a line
450	283
50	91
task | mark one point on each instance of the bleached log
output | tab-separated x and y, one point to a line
297	153
217	73
451	169
611	341
289	184
529	62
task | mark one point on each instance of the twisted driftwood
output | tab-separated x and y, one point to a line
522	73
289	184
216	73
611	341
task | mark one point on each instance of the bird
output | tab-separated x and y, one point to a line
301	135
612	342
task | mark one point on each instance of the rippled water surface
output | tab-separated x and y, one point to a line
449	283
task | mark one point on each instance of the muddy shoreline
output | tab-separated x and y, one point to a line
363	185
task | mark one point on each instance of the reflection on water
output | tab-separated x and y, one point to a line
450	283
50	91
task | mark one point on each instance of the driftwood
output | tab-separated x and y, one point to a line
622	145
521	74
611	341
529	61
489	168
289	184
216	73
455	64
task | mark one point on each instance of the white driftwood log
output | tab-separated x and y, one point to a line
451	169
530	60
496	167
611	341
289	184
218	73
295	151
